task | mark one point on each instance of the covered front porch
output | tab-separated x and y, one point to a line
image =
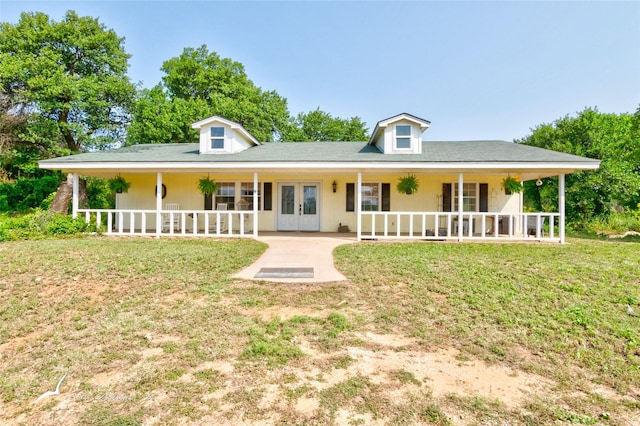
429	220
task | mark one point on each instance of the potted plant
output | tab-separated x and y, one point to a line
207	187
511	186
408	184
119	184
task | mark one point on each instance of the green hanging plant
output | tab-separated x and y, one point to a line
119	184
207	186
511	185
408	184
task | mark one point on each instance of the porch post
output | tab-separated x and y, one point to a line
255	205
359	206
158	204
75	183
460	208
561	202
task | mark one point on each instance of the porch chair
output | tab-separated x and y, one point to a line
244	205
532	223
223	219
166	217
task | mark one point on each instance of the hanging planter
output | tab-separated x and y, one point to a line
511	186
207	187
119	185
408	184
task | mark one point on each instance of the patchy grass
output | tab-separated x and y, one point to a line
156	331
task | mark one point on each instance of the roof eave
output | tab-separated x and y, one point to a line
566	167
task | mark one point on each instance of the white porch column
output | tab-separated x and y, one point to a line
158	204
255	205
75	185
460	208
358	195
561	202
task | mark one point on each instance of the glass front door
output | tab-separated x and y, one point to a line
298	207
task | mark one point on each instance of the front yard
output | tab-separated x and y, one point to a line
155	332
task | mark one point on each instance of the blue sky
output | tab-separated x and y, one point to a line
476	70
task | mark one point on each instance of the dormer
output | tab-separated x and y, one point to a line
221	136
401	134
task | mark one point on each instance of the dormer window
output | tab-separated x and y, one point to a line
217	137
403	136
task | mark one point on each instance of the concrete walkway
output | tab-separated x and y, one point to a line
291	255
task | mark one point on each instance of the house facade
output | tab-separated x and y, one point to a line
326	186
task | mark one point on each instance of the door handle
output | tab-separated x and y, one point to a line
300	210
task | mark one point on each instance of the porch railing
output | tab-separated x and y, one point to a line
475	225
199	223
375	225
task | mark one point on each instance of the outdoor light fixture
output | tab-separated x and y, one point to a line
539	182
335	186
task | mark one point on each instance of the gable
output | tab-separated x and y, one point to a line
221	136
401	134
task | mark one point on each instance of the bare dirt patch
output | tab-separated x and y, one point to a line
283	312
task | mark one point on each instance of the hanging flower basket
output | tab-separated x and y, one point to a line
512	186
119	185
408	184
207	187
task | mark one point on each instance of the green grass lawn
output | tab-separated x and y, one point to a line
157	332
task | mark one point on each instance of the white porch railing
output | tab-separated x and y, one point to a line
445	225
198	223
375	225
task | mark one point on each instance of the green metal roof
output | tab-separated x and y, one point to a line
327	152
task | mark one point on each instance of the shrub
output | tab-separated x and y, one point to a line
27	193
40	224
99	194
615	223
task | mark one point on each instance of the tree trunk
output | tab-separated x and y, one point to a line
60	203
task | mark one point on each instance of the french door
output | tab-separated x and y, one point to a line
298	206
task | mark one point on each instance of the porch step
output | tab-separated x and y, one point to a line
285	273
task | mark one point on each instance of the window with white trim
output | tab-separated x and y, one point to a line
370	193
246	195
226	194
403	136
217	137
469	196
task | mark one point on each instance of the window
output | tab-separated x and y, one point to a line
469	197
450	191
246	195
217	138
403	136
310	199
375	197
226	195
370	197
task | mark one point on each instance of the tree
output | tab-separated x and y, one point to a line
321	126
612	138
69	79
198	84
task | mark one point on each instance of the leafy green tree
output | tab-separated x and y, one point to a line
67	82
71	77
612	138
321	126
198	84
